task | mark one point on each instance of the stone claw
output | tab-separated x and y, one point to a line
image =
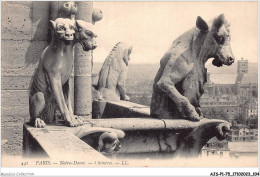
127	98
195	117
75	121
198	109
72	123
39	123
100	98
78	120
191	114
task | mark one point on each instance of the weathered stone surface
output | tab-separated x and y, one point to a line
98	108
21	111
12	133
14	97
16	21
82	82
40	20
148	141
55	141
24	28
140	142
18	71
13	53
83	67
25	20
17	54
118	109
15	106
23	3
129	124
82	102
113	74
72	91
34	51
141	135
181	124
15	82
179	82
84	11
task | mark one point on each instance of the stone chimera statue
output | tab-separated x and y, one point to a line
50	84
113	74
179	82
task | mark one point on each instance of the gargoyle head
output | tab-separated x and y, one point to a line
63	28
108	142
217	41
85	35
126	56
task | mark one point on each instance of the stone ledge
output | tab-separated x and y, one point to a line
140	135
56	142
107	109
131	124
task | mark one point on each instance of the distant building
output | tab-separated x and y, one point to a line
235	94
214	147
246	83
242	66
243	133
250	108
224	103
236	149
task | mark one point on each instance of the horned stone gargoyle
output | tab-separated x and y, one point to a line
179	82
50	85
113	74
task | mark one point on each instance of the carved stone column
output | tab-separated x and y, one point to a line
82	68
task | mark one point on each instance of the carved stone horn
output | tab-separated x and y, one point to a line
201	24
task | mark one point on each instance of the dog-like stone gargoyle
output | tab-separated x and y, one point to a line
113	74
50	85
179	82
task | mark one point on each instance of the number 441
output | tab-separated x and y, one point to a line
24	163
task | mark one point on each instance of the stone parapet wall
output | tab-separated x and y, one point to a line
24	32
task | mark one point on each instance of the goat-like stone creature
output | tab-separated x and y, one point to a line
179	82
113	74
50	84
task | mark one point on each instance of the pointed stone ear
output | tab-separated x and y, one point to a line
53	24
78	26
130	50
218	22
201	24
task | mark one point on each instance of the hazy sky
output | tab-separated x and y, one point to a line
150	27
